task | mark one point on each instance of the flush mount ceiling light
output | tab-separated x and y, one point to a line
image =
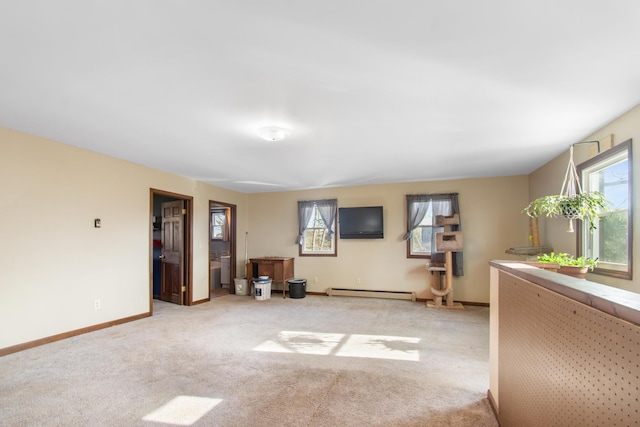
273	133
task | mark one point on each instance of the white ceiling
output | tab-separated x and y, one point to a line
371	91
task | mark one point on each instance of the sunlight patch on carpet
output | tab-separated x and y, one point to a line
302	342
182	410
351	345
381	347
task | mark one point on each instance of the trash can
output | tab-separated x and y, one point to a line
262	289
297	288
242	286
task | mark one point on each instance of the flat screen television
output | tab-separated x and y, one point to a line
361	223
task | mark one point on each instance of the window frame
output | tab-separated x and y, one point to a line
601	162
434	228
215	214
334	252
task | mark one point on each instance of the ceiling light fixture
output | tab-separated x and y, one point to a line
273	133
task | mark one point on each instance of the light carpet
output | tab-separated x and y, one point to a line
237	361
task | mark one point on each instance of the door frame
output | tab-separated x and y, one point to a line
188	247
232	241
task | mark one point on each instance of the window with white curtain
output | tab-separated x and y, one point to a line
317	225
610	174
422	210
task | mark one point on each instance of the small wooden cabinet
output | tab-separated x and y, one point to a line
279	269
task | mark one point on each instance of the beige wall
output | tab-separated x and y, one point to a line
548	180
491	223
54	263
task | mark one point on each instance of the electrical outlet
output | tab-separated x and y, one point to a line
315	279
358	281
96	304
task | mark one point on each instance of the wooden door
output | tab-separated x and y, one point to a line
172	282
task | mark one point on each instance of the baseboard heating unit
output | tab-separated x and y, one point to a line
372	294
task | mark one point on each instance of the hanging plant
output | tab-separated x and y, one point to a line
572	203
584	206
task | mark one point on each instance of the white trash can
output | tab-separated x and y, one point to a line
242	286
262	289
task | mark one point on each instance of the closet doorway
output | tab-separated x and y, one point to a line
222	248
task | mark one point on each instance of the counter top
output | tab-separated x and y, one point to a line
617	302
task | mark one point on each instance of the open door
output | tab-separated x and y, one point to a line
170	239
172	286
222	244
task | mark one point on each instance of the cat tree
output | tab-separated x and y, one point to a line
448	242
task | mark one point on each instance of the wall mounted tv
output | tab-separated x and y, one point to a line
361	223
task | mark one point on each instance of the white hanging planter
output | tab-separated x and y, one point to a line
570	210
572	203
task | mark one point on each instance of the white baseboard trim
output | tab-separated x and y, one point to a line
372	293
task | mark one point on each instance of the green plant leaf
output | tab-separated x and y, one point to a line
564	259
584	206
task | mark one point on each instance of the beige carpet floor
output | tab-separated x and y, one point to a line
236	361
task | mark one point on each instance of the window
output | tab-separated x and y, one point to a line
217	225
611	242
422	210
421	213
423	236
317	224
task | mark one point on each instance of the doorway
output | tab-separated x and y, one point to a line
222	248
171	271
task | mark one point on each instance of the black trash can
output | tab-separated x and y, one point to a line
297	288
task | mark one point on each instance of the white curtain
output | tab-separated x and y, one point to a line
417	208
327	210
305	210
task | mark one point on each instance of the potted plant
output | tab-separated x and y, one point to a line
572	202
584	206
569	265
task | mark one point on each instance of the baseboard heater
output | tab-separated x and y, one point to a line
372	294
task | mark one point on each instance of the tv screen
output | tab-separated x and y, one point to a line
361	223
